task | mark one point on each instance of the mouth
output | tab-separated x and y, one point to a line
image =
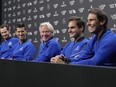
5	36
90	28
71	34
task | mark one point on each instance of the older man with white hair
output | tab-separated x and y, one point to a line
49	46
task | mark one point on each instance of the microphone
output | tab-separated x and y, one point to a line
10	46
85	45
47	46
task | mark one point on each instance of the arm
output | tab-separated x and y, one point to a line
104	51
48	52
29	52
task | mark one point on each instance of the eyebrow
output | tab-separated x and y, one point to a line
72	27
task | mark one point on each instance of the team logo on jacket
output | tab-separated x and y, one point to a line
77	48
21	48
10	43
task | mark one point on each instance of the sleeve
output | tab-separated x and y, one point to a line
50	51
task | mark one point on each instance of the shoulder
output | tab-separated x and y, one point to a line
28	42
53	41
85	40
68	44
109	37
14	38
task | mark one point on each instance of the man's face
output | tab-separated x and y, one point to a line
5	33
21	33
45	33
73	30
93	23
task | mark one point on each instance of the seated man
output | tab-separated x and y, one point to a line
8	43
24	49
73	49
49	46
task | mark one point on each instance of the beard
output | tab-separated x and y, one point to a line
75	35
98	29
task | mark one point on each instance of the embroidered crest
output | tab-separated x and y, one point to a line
10	43
21	48
77	48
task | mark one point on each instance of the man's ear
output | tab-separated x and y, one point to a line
81	28
102	22
15	32
26	31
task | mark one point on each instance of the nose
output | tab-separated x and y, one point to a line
20	33
88	23
69	29
44	33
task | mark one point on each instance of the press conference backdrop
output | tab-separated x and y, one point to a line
57	12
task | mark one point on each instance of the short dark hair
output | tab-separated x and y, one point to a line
80	22
20	25
5	25
101	15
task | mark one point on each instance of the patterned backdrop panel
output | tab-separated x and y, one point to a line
57	12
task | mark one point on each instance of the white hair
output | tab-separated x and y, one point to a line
50	27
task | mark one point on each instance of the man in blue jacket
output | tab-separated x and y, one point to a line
24	49
76	46
101	49
8	43
49	46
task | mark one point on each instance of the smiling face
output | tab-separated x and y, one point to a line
21	33
5	33
93	23
97	21
73	30
45	33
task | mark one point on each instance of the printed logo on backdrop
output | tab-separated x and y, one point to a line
33	12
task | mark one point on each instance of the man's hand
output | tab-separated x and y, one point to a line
57	59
